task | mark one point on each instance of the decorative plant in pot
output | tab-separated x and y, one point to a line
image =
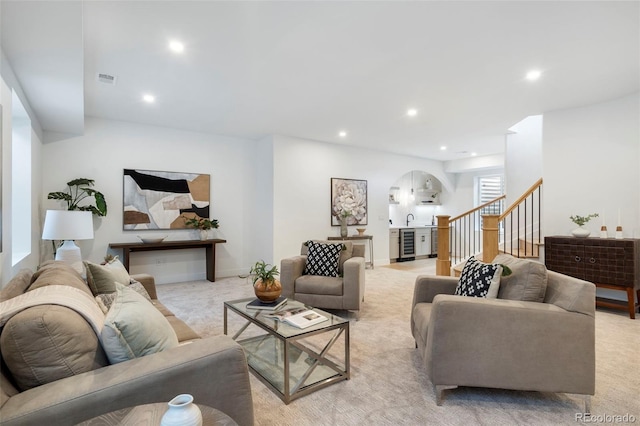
265	285
581	232
79	190
202	224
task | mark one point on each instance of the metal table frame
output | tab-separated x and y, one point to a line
319	358
357	238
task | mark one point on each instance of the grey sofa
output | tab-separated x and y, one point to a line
546	345
214	370
345	292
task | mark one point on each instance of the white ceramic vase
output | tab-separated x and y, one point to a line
182	412
204	234
580	232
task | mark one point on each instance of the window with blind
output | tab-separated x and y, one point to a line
489	188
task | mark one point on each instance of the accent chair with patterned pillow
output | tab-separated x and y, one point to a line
326	274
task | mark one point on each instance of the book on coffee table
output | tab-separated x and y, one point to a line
267	306
300	317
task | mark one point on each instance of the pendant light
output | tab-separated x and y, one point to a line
413	197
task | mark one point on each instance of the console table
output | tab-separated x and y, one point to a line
607	262
209	245
358	237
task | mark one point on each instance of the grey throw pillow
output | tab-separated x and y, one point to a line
527	282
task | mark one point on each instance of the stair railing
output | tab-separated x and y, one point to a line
461	237
490	230
522	224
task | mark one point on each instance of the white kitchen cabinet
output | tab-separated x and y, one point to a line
394	243
423	241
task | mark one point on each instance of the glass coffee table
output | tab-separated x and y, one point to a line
291	361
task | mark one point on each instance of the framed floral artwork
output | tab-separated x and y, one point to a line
348	199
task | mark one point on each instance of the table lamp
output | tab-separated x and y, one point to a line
68	225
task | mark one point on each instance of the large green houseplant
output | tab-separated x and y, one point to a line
78	190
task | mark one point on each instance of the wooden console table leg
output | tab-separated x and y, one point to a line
125	258
211	262
631	302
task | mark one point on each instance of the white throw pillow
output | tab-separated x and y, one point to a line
133	327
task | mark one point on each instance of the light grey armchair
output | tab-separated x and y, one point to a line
508	343
344	292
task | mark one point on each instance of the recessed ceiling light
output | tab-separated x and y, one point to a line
473	154
342	134
176	46
443	148
412	112
149	98
533	75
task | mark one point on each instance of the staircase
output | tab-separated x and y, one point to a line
516	231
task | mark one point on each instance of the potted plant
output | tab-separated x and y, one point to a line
202	224
265	285
79	190
581	232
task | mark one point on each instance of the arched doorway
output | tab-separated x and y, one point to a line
414	203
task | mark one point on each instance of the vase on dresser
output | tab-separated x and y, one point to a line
581	232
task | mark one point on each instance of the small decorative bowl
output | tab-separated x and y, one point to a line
361	230
151	240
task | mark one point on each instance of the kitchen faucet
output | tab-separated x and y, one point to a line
411	218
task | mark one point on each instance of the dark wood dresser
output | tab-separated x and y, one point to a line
606	262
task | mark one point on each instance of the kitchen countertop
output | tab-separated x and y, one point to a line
412	226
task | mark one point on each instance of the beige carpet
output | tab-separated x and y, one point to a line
389	385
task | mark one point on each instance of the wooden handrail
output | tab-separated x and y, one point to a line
515	204
477	208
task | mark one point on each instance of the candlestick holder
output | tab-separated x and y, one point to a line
619	232
603	232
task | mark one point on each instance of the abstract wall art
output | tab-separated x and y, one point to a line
162	200
348	199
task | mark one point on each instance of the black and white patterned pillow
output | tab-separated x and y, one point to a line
323	259
479	279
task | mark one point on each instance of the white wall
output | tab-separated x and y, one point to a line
302	175
523	157
591	164
108	147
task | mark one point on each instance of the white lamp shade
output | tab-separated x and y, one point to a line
67	225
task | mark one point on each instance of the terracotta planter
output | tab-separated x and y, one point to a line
267	292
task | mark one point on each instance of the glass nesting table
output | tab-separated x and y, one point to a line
292	362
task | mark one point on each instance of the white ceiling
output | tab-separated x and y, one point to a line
309	69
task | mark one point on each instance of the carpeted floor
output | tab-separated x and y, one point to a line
389	385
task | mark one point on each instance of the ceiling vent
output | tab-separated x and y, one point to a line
106	79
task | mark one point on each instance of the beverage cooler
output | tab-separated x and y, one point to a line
407	245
